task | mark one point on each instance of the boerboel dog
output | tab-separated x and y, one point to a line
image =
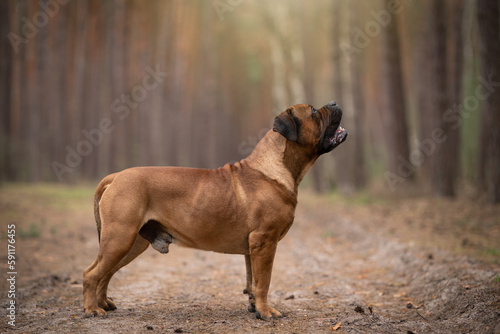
241	208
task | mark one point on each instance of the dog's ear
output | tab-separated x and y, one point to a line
285	125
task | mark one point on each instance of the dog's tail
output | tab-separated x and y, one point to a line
103	185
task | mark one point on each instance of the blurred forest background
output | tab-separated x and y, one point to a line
92	87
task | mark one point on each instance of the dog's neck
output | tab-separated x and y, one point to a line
277	164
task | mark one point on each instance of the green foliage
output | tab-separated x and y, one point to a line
361	198
59	196
33	231
254	68
328	234
491	254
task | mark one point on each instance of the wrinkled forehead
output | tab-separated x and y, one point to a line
300	108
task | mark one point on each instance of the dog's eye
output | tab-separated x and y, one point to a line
314	110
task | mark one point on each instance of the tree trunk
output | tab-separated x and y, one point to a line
358	172
343	96
5	91
31	112
317	171
450	156
444	159
489	147
208	88
396	131
349	158
422	80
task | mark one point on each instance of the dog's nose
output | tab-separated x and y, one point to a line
332	105
334	110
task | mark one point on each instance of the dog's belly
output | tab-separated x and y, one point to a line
218	244
222	236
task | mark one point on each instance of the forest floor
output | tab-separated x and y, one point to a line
349	264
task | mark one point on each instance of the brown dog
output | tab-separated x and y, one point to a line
245	208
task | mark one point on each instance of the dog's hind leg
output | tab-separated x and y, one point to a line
115	245
249	288
139	246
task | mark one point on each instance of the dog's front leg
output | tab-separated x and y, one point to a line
262	250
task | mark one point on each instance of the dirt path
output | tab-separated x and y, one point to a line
330	269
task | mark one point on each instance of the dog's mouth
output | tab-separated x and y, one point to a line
333	138
333	134
338	137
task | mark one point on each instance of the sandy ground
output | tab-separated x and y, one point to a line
346	266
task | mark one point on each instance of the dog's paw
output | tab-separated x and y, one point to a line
93	312
270	314
107	305
251	299
251	308
275	313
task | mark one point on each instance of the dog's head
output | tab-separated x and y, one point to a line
318	129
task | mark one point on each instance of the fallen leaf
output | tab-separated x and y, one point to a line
317	285
400	295
337	326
